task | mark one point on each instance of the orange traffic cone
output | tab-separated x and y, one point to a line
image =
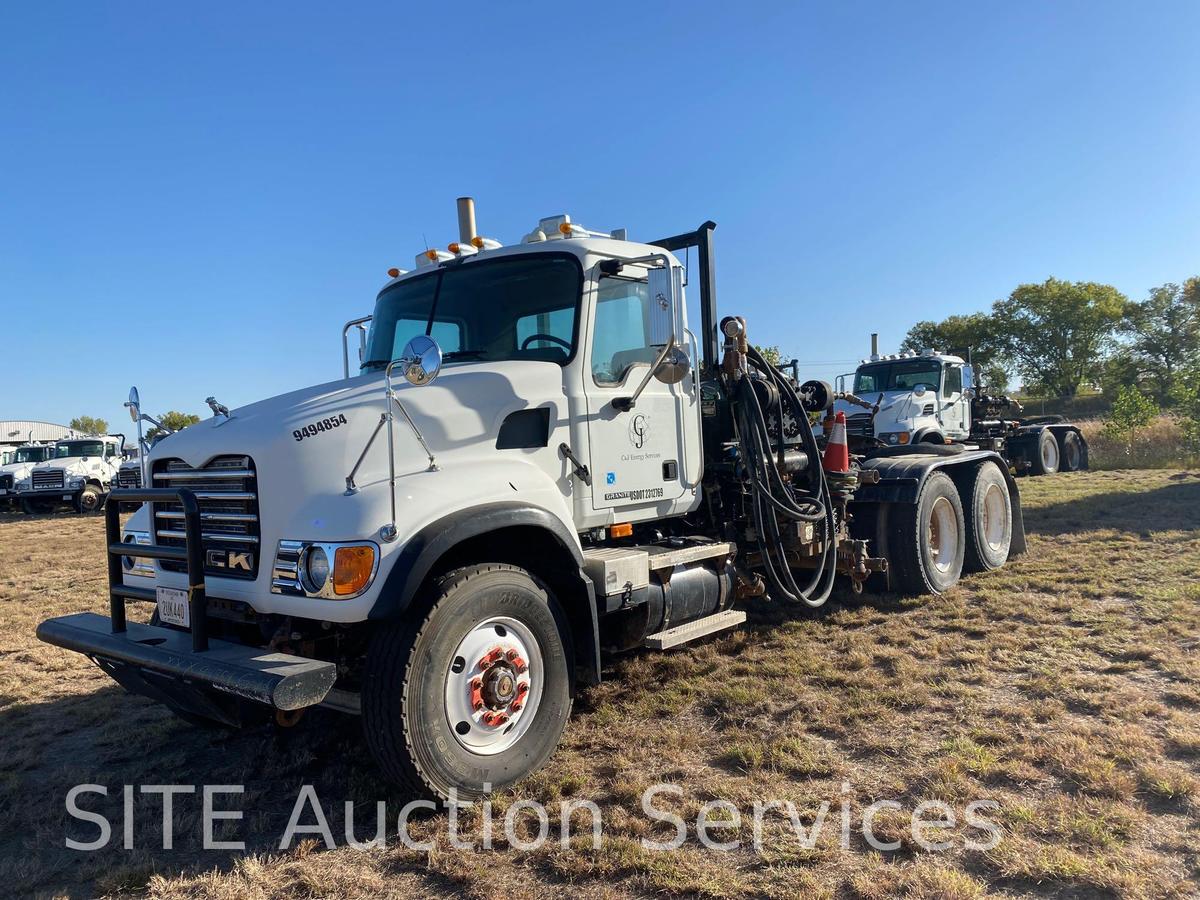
837	453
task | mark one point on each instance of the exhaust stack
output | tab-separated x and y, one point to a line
874	346
466	219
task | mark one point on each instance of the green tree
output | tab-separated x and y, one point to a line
89	425
1131	411
1058	332
1164	333
1186	398
173	421
973	335
771	354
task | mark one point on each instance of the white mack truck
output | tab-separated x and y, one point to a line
930	397
16	469
80	472
538	463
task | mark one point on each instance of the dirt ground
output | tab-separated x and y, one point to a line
1065	688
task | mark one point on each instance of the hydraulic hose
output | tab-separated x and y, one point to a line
772	499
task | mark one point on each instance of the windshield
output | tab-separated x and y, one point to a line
902	375
78	448
521	307
31	454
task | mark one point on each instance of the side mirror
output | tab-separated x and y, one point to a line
665	284
421	359
672	367
134	404
968	380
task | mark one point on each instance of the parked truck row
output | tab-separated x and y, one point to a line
545	457
932	398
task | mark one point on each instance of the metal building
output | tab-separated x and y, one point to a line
15	432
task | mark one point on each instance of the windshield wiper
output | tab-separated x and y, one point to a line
459	354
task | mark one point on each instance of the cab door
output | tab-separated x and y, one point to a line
645	461
953	403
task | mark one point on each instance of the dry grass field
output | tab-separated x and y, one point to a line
1065	687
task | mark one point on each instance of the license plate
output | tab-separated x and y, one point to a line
173	606
3	491
66	496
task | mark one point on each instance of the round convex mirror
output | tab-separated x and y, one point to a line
674	367
423	360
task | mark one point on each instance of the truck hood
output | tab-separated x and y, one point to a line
73	465
344	413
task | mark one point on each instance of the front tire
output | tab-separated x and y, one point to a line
446	703
930	539
989	520
90	500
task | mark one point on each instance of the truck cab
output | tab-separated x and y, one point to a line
921	397
80	472
17	468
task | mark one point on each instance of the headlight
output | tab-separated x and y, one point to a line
894	437
328	571
75	483
316	569
137	565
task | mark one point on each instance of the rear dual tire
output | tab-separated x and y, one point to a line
1046	454
1071	445
929	538
989	520
936	539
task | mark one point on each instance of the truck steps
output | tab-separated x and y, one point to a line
681	634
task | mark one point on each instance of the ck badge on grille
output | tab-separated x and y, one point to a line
229	559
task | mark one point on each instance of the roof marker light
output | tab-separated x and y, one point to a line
460	249
432	257
484	243
393	273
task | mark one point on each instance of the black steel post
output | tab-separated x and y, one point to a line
701	239
112	535
197	596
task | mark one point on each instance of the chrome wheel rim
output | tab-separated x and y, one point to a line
943	534
494	685
995	517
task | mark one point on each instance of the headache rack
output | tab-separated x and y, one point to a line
190	556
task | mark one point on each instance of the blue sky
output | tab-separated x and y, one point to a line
196	197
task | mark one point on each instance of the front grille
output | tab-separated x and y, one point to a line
859	424
6	481
227	491
130	477
47	478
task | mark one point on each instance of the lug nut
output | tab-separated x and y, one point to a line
490	657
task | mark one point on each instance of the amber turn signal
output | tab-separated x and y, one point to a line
352	567
625	529
393	273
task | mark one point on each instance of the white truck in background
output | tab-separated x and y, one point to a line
79	473
538	463
21	460
932	397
